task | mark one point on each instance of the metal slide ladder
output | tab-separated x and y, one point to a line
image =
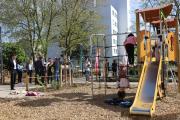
173	77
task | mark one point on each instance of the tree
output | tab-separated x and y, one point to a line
35	23
30	21
13	48
76	23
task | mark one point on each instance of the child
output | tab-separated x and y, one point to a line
153	51
123	82
129	44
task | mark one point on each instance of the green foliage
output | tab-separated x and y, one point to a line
13	48
30	22
77	23
36	23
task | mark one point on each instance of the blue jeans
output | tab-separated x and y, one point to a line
57	75
87	73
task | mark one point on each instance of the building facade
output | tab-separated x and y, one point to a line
115	17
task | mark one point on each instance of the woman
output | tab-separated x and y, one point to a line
30	70
87	69
19	71
129	43
49	70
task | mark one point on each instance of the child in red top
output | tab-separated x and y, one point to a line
129	46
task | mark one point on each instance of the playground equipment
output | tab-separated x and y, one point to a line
66	75
101	56
151	82
65	78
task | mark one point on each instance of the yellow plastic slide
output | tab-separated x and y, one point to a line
150	79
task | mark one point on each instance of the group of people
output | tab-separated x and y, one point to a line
44	70
49	70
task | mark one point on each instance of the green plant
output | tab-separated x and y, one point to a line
13	48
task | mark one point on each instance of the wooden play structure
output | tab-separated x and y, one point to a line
162	35
65	78
66	75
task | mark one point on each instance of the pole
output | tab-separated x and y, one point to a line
81	56
177	53
27	82
106	69
61	77
138	41
90	55
1	79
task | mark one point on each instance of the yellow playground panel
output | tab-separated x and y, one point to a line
145	47
172	46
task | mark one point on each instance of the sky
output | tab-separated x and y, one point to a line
134	4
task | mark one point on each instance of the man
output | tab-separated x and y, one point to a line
114	68
13	70
39	69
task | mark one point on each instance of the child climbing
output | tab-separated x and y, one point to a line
129	43
157	51
153	51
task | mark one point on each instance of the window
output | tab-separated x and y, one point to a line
116	15
114	32
115	24
114	41
115	51
113	12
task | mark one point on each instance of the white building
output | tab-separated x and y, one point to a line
114	16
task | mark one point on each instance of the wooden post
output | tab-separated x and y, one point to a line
138	35
138	41
65	69
61	77
70	75
45	81
177	54
27	82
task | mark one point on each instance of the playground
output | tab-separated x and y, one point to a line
104	94
76	103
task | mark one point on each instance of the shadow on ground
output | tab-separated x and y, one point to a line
97	101
38	102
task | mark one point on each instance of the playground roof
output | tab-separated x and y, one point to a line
171	23
153	14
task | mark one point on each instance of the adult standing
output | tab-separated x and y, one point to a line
13	70
114	68
87	69
39	69
29	68
106	67
129	43
49	70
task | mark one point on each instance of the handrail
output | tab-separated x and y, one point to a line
158	81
